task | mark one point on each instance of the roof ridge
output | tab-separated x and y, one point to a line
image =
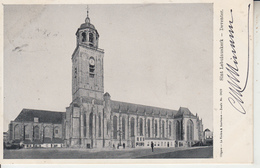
27	109
144	105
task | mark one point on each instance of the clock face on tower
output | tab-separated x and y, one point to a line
92	61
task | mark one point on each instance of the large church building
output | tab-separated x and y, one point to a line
94	120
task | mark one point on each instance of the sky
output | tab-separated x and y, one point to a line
155	54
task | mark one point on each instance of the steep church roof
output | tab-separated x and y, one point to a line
124	107
28	115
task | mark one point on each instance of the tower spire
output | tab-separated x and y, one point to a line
87	10
87	20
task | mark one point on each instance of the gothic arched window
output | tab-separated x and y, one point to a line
85	124
26	132
149	130
91	37
90	125
115	127
95	126
123	128
57	132
190	130
17	132
163	127
99	125
132	127
108	127
156	128
141	127
36	132
178	130
83	37
47	132
170	129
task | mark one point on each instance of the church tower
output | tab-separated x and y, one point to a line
87	64
85	115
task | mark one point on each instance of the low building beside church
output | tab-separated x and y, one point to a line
38	128
208	137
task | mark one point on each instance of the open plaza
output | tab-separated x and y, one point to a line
128	153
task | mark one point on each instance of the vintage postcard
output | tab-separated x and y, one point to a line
154	82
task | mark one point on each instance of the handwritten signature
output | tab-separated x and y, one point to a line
235	88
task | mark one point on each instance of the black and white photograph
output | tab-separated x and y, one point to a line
108	81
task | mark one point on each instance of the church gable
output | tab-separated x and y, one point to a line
184	112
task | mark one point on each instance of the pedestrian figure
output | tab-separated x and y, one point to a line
152	146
